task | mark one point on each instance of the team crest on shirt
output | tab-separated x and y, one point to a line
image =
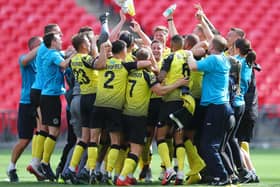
55	121
112	62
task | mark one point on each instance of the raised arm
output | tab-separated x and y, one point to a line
117	29
171	25
93	47
209	23
137	29
29	56
206	29
105	49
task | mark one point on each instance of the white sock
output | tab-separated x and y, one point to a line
180	175
102	168
71	168
169	170
122	178
35	162
11	166
130	175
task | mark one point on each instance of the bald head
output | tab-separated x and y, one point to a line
34	42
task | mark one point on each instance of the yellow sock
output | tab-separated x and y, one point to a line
112	158
164	154
33	146
120	162
48	148
129	165
245	146
145	156
40	140
77	154
195	161
170	145
180	155
92	156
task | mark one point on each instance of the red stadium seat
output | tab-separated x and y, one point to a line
258	19
19	20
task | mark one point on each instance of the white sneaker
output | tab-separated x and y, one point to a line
33	169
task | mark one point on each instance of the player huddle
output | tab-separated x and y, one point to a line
126	91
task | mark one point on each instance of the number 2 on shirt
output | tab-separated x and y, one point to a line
111	76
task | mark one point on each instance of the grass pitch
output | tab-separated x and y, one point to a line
267	164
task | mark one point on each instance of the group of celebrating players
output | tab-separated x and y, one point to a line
197	99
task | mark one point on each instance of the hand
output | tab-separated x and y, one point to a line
170	16
182	82
199	15
106	46
122	16
70	51
198	7
136	27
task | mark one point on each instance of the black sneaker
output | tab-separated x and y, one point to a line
98	175
149	177
47	171
219	182
12	174
245	176
234	179
143	172
92	178
106	180
58	172
104	17
83	176
104	36
69	176
256	179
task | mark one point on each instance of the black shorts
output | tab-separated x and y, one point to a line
166	109
26	121
51	110
134	129
153	113
87	102
35	95
246	127
109	119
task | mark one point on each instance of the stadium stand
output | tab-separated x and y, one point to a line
19	20
258	19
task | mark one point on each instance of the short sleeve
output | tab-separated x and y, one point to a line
88	61
57	58
167	63
130	66
206	64
150	78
